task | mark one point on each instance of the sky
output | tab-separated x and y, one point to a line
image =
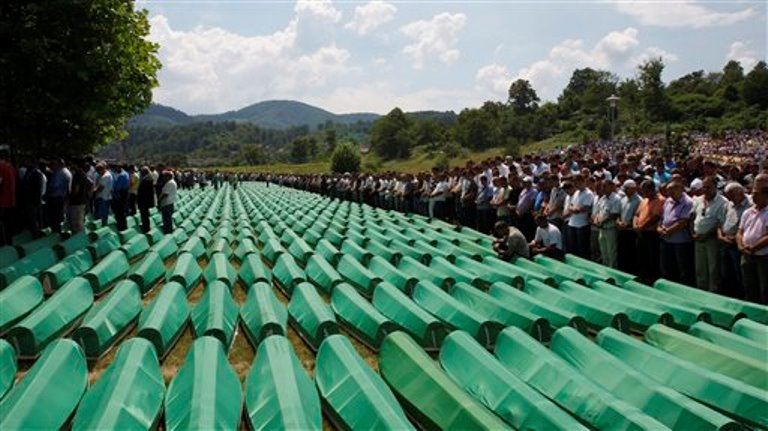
372	56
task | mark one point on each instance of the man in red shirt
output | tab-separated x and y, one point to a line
7	197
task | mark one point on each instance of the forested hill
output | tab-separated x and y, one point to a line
272	114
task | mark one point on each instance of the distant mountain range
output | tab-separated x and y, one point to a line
272	114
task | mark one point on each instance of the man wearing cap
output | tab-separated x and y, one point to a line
676	248
166	201
730	258
627	235
752	240
709	212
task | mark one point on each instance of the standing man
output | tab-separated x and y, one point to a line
752	241
730	258
627	236
709	212
167	201
145	197
58	192
32	192
7	198
577	210
120	197
645	224
133	189
676	250
607	211
78	198
102	193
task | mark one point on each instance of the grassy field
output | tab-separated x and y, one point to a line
420	161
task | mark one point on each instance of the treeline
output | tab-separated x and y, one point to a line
711	102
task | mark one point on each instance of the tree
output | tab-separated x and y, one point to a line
253	155
731	82
73	73
477	129
522	97
345	158
756	86
330	138
652	92
389	137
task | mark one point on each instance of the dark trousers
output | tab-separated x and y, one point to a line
730	271
677	262
119	209
485	220
32	219
54	213
131	204
7	225
527	225
578	241
647	256
469	215
144	212
754	270
167	214
628	245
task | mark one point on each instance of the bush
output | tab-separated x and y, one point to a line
442	162
345	158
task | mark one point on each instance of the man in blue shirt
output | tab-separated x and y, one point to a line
121	184
57	193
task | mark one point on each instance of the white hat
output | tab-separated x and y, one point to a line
629	184
696	185
527	179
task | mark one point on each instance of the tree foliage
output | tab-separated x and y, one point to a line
345	158
522	97
390	136
73	73
654	99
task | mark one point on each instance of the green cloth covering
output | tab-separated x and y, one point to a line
597	315
358	398
245	247
737	307
78	241
287	273
357	275
355	251
730	341
220	245
559	275
587	275
216	314
320	272
442	305
680	316
750	329
220	269
180	235
414	268
8	255
497	265
166	247
359	316
74	265
505	313
104	245
459	275
398	307
163	320
44	243
194	246
409	251
128	395
262	314
705	313
313	318
154	235
487	272
135	247
560	382
432	398
620	277
328	251
105	273
272	249
557	317
708	355
669	407
482	376
205	394
49	392
720	392
127	234
18	300
253	270
147	272
108	319
377	249
32	264
390	274
186	271
334	236
52	319
278	392
8	367
311	237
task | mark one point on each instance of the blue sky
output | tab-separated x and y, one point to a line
370	56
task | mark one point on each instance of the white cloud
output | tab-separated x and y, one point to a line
680	13
314	24
434	38
744	54
371	16
212	69
654	52
618	51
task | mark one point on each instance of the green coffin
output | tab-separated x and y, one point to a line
74	265
313	318
8	255
559	267
186	272
216	314
129	395
147	272
253	270
244	248
128	234
354	250
390	274
44	243
74	243
163	320
406	250
669	407
287	273
320	272
737	307
206	393
620	277
135	247
54	318
18	300
376	249
357	397
722	393
278	392
705	312
457	274
328	251
678	315
8	367
596	314
194	246
32	264
220	269
262	314
490	273
752	330
104	245
180	236
334	236
300	250
432	398
166	247
154	235
400	309
416	269
730	340
477	372
443	306
110	269
272	250
530	272
359	316
708	355
357	275
220	245
311	237
560	382
505	313
106	321
49	392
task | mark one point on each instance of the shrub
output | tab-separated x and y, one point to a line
345	158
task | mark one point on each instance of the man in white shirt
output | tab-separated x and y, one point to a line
578	205
437	197
102	193
709	214
548	240
607	211
167	201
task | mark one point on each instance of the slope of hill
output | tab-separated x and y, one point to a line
159	116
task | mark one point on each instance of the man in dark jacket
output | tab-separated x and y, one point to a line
145	198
